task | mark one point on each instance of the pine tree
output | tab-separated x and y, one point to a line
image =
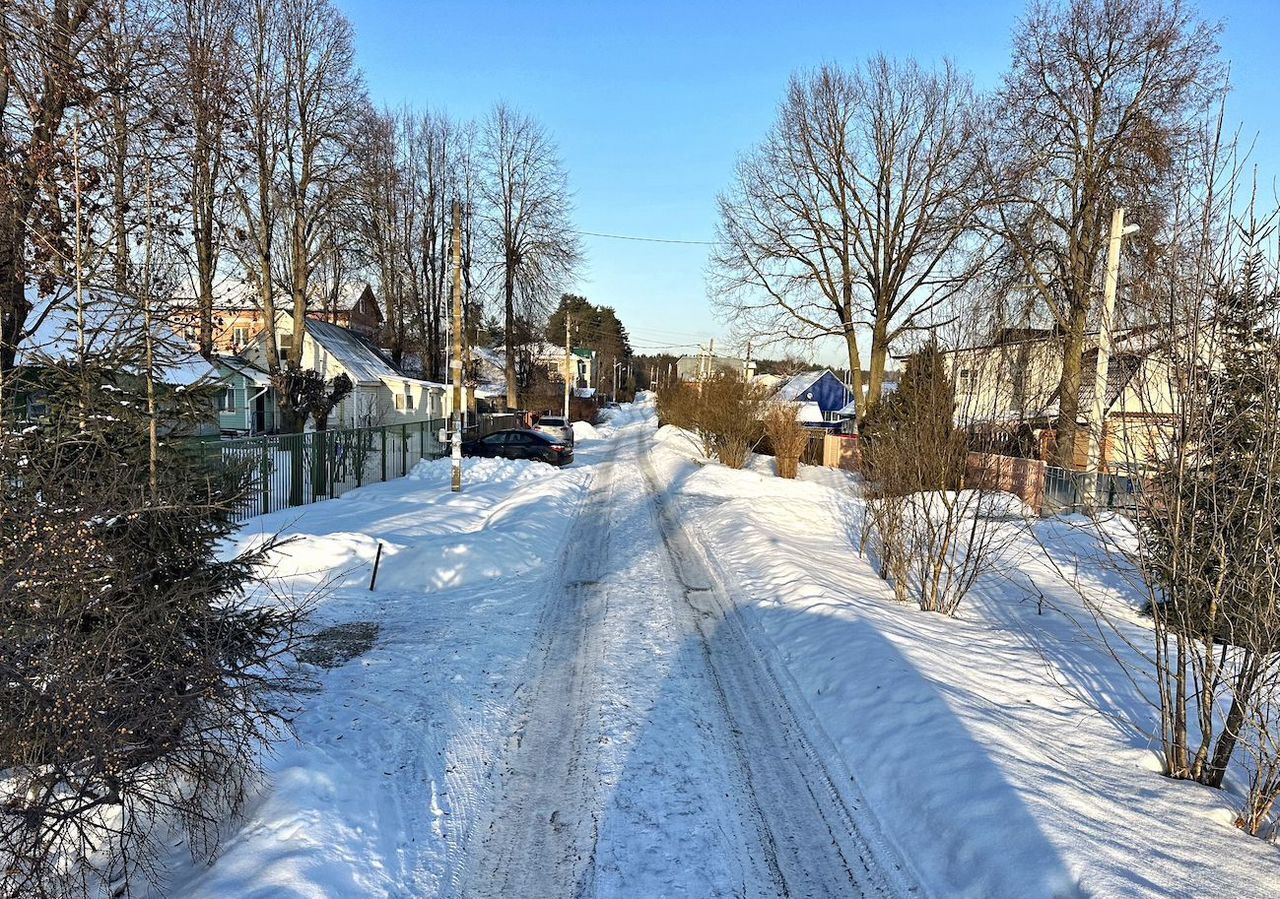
137	679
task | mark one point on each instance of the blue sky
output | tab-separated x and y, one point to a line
651	103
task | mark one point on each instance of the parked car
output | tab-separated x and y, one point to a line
520	443
556	426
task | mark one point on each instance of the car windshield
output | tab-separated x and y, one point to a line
552	422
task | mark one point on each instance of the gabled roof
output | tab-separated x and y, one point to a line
251	373
799	385
112	323
363	361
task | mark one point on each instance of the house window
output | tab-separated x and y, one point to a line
408	401
400	398
965	380
239	336
286	344
227	400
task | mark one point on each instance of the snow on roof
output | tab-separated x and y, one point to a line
584	392
112	323
809	413
799	384
849	409
363	361
251	373
395	381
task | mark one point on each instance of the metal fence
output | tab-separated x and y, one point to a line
296	469
1066	491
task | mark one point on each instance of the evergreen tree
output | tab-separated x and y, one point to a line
137	680
913	429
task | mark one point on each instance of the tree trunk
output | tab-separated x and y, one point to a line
855	368
1226	746
879	359
13	301
1069	390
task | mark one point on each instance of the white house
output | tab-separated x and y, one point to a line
382	394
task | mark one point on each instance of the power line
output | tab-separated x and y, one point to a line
700	243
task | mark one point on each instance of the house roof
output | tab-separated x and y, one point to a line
363	361
111	324
250	372
1121	368
799	385
234	292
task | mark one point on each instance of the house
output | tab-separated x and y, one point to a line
824	400
1008	391
106	324
247	405
704	365
382	393
580	362
238	318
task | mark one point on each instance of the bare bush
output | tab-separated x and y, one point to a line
731	409
787	435
935	535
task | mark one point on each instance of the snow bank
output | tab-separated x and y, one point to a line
487	472
584	430
1003	752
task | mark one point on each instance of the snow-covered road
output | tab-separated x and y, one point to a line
653	754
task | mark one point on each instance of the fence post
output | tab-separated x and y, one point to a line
266	477
404	450
364	457
332	457
383	429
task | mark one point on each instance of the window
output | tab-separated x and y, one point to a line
285	344
400	398
408	400
227	401
965	380
239	336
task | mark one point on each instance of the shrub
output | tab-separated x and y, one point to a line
788	436
730	416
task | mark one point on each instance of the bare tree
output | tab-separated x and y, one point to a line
1101	97
202	40
856	211
526	209
302	93
43	73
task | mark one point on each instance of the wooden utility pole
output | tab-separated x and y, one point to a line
569	365
456	363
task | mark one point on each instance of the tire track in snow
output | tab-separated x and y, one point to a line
542	825
655	754
817	845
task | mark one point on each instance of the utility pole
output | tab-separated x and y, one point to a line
569	364
456	364
1097	421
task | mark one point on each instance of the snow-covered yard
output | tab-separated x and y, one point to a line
1002	750
646	676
